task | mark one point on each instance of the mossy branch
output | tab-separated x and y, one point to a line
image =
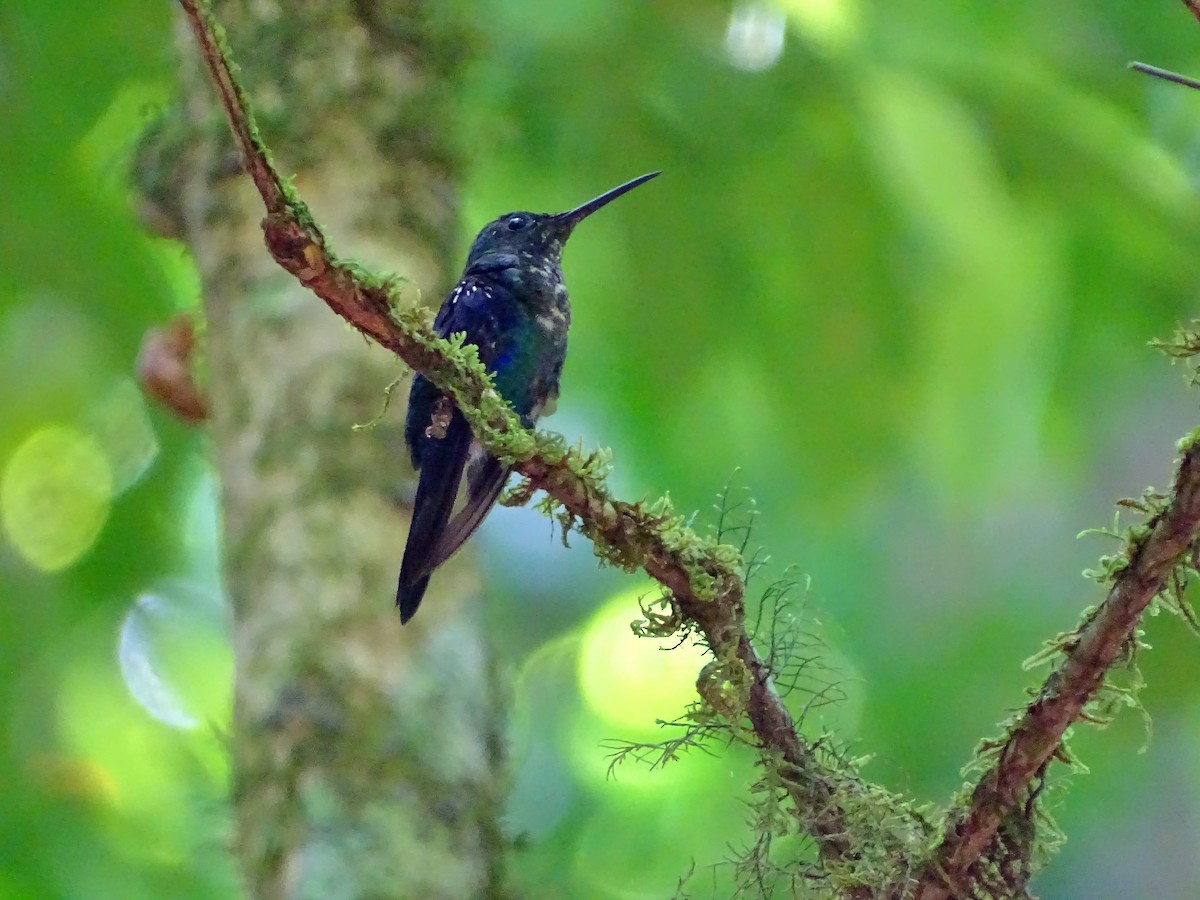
1155	563
700	575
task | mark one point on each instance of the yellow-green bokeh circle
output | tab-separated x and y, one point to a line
628	681
55	496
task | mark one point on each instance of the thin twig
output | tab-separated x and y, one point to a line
1034	741
297	244
1165	74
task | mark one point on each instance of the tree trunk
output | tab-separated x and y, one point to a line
365	756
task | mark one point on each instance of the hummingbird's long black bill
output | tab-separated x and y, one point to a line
578	214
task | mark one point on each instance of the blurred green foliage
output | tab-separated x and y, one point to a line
901	271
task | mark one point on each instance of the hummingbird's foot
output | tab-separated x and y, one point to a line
439	419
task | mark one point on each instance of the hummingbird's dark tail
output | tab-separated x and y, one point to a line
442	464
409	596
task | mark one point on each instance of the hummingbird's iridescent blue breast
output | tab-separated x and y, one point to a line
519	323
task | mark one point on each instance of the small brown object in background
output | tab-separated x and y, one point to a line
164	372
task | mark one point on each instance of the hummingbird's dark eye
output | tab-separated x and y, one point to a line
516	223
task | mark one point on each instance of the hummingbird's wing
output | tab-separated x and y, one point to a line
485	480
440	451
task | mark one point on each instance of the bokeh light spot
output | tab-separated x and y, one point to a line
174	655
73	777
754	36
154	771
55	496
827	24
624	679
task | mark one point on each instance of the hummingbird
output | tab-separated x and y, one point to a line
512	304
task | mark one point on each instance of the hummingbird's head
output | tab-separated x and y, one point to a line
520	240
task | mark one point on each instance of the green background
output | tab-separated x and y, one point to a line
899	276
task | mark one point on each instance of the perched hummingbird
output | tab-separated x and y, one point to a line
513	305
